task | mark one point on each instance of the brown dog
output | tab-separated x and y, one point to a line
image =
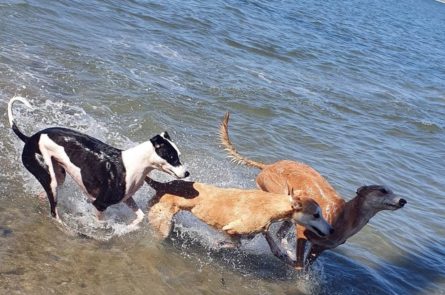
236	212
347	218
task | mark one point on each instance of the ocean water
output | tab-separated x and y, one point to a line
354	88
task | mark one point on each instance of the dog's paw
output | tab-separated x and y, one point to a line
133	227
299	267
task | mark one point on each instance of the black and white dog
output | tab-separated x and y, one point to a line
107	175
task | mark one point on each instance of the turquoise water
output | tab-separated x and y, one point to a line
354	88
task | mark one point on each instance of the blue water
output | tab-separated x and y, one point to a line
356	89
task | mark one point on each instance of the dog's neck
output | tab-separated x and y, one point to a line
350	219
357	213
281	209
140	158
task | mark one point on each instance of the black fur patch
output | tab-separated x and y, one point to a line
165	150
167	136
101	167
364	190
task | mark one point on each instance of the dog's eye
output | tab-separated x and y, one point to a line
316	215
383	190
174	161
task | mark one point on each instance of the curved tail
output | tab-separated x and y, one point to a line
12	123
228	146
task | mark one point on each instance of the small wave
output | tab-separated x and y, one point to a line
428	126
261	75
267	50
163	51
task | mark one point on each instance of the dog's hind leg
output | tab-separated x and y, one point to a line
139	214
59	172
35	164
100	208
60	176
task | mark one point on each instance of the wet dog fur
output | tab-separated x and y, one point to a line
236	212
346	217
106	175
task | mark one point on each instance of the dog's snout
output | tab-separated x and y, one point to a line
186	174
402	202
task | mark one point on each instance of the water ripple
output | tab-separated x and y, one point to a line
353	88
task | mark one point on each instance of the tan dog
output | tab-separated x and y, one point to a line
236	212
347	218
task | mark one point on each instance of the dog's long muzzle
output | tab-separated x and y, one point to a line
178	172
321	228
186	174
394	203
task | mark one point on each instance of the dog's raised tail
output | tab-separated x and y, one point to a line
11	119
228	146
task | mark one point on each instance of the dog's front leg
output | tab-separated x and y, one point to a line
99	215
300	247
276	250
133	206
314	252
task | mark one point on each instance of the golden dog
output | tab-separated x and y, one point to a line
238	213
347	218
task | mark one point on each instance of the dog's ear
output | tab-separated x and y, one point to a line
166	135
289	189
361	190
295	199
157	141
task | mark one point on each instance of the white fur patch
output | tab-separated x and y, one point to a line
138	161
50	149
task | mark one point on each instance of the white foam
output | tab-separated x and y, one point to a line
163	50
79	216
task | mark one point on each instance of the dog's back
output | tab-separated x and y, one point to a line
241	212
283	175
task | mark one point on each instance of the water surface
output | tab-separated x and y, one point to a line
354	88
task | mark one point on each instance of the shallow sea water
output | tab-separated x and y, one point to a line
354	88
